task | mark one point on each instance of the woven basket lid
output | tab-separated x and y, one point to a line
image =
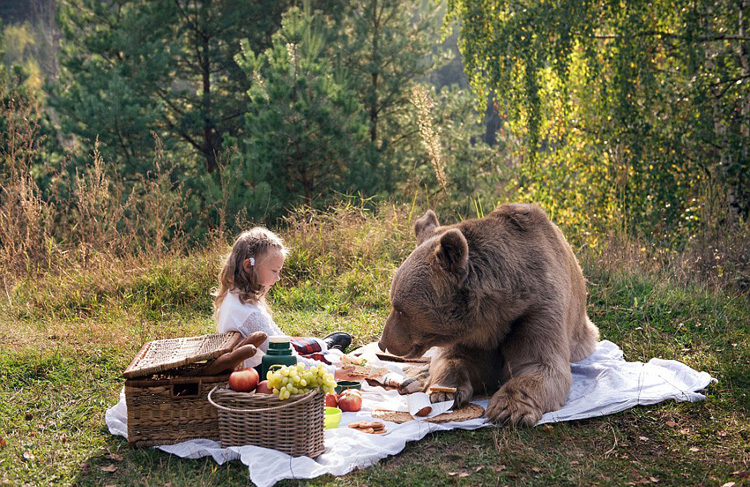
163	355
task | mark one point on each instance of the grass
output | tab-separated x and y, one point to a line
68	336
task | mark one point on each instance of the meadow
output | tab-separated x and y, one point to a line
68	334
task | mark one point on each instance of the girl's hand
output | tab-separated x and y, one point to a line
346	373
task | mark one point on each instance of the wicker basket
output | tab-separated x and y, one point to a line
171	410
166	393
294	426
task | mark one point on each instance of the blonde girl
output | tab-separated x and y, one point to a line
250	270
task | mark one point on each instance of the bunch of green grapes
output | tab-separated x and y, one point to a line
296	379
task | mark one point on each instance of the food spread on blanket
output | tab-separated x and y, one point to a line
369	427
357	367
296	379
350	400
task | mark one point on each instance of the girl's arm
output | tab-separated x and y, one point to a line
259	322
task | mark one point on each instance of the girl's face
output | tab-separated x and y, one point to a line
268	267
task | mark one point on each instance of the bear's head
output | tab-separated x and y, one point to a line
424	290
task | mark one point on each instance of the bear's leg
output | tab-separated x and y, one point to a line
537	375
449	368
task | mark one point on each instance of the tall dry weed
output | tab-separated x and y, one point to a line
330	243
429	134
155	209
98	210
25	217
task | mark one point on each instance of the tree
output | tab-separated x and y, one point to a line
133	67
388	47
641	103
304	128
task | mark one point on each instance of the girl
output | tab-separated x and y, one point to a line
250	269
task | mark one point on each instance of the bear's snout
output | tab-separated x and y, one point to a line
396	337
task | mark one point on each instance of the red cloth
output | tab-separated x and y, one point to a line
309	348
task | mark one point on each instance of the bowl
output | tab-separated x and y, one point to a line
332	418
342	385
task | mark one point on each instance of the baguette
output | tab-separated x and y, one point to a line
451	390
230	360
256	339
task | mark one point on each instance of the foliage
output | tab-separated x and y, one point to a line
643	104
450	163
132	67
303	123
387	46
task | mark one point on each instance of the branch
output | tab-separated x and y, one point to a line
670	35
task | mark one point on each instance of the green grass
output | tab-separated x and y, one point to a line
67	338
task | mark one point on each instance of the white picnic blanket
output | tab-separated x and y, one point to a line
603	383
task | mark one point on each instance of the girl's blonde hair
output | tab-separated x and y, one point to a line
254	243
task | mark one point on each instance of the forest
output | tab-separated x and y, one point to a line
163	122
139	137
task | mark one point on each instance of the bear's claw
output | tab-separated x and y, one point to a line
513	406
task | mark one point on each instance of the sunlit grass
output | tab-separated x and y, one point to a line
68	336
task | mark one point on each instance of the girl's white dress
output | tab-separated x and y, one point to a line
248	318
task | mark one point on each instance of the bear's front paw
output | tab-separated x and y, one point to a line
515	404
459	395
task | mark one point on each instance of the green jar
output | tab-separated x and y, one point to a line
279	353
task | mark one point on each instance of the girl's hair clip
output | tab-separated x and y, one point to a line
252	261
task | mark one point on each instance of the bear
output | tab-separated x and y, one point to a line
503	300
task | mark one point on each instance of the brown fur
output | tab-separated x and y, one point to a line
504	300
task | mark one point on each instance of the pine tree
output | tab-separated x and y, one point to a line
304	125
389	46
131	68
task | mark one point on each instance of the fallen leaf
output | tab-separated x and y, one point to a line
536	469
109	468
685	431
653	479
574	462
728	484
3	443
694	449
479	468
671	423
722	433
27	455
499	468
116	457
460	475
547	427
643	438
28	416
111	485
85	466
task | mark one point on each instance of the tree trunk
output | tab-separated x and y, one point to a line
211	144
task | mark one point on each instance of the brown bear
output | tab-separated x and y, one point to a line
504	301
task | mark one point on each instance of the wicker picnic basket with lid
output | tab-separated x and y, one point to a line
166	394
294	426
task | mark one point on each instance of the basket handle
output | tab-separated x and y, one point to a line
308	396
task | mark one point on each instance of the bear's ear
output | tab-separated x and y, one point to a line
452	251
425	226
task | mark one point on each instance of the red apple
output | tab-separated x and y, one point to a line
263	387
332	400
244	380
350	401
